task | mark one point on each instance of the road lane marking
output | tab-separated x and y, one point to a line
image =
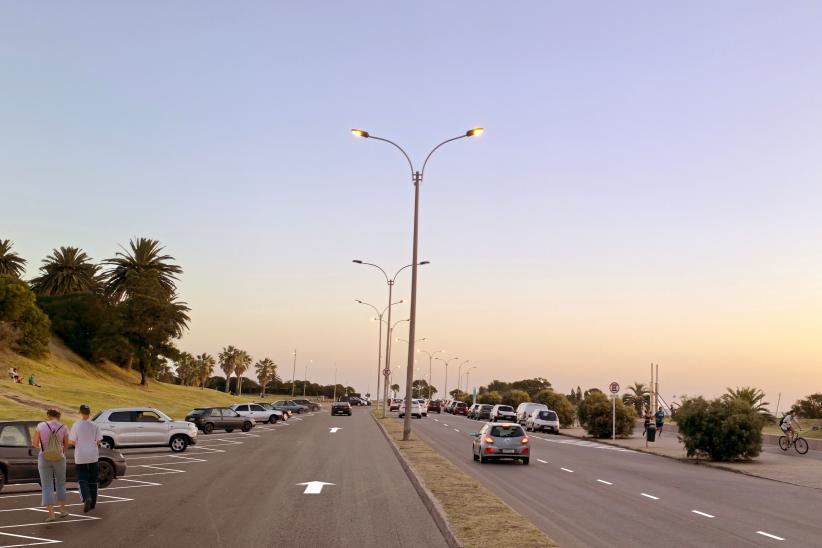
649	496
702	514
764	534
542	461
333	429
605	482
436	420
39	540
151	483
456	430
444	424
567	470
314	487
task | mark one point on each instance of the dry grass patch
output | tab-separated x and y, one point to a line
471	509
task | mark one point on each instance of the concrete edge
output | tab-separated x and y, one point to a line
693	461
428	499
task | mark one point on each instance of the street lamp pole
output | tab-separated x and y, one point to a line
416	179
446	362
305	376
459	374
379	345
467	374
293	373
430	359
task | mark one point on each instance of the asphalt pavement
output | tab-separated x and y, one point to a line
245	490
583	493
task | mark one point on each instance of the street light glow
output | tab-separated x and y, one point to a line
475	132
362	133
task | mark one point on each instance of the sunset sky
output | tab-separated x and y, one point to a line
649	188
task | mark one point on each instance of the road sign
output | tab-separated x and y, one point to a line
386	372
614	387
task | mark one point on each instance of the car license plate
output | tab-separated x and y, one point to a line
509	451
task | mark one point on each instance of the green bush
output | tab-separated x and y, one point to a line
81	320
558	402
720	429
27	328
490	398
595	414
515	397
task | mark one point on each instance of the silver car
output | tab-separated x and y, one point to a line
542	420
501	440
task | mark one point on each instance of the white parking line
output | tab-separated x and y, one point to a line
764	534
605	482
456	429
567	470
39	540
142	483
542	461
436	420
649	496
444	424
702	514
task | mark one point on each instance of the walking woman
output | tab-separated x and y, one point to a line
52	439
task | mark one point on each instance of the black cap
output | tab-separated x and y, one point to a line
85	409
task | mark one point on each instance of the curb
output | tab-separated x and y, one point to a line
429	501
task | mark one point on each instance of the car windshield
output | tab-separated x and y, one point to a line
548	415
506	408
506	431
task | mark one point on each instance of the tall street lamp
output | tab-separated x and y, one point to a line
446	362
459	373
390	281
293	372
379	347
305	376
388	360
416	180
430	359
467	372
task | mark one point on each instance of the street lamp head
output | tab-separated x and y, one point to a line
423	262
475	132
357	261
362	133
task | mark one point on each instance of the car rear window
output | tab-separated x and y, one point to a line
198	412
506	431
548	415
121	416
506	408
487	407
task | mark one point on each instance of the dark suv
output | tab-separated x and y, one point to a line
341	408
484	412
208	419
435	406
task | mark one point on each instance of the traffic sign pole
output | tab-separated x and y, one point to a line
614	388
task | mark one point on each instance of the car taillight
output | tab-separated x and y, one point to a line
524	439
488	439
489	449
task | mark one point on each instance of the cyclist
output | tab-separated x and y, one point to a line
787	425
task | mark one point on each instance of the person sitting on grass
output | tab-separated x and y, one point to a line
33	381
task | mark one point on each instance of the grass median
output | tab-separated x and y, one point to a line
471	509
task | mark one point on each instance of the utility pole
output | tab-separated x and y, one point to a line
293	373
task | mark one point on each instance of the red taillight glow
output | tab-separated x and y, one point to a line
524	451
488	439
489	449
524	439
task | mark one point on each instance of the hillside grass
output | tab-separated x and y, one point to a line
67	380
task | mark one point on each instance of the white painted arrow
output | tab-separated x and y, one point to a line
314	487
333	430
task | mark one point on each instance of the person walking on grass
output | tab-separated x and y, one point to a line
85	436
51	439
659	418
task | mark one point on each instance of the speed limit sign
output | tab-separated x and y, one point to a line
614	387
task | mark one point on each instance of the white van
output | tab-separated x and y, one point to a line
524	410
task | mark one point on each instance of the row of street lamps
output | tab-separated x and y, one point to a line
416	179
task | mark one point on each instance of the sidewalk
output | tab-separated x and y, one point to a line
790	467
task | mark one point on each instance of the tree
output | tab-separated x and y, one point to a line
67	270
498	386
87	323
422	387
11	264
205	366
596	415
722	429
810	407
228	363
145	257
266	370
754	396
639	398
490	398
186	369
22	323
459	395
243	363
532	386
564	409
395	388
515	397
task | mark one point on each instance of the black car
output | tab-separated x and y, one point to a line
312	405
209	419
435	406
341	408
484	412
18	457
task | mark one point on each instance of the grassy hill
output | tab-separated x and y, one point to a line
67	381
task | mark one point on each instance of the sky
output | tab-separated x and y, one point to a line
647	190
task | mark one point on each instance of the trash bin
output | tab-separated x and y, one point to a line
651	433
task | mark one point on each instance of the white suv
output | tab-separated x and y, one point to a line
501	413
416	409
542	420
258	412
423	407
144	427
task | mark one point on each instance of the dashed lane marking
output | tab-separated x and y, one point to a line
605	482
456	429
567	470
542	461
702	514
764	534
649	496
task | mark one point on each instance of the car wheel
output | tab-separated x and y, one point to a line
247	426
526	460
481	459
229	429
107	443
272	419
208	428
476	457
2	479
178	443
105	474
299	411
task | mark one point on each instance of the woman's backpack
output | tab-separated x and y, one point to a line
53	451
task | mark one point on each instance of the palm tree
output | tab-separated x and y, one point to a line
205	365
66	270
186	368
243	363
228	362
395	388
266	371
144	257
639	399
11	264
754	396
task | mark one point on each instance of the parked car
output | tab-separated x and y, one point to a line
394	405
435	406
484	412
289	405
416	410
283	415
312	405
340	408
525	409
209	419
423	407
472	411
497	441
543	420
258	412
503	413
449	407
144	427
18	457
460	408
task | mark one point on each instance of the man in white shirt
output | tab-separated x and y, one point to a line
85	437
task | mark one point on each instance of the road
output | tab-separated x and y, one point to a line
242	490
588	494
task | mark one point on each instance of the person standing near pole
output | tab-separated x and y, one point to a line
659	418
51	439
85	437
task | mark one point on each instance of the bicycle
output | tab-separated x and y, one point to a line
799	443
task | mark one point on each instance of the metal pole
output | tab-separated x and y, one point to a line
335	385
388	347
430	359
656	390
613	416
305	376
293	373
412	328
379	364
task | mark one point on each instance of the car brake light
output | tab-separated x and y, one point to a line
488	439
489	449
524	450
524	440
